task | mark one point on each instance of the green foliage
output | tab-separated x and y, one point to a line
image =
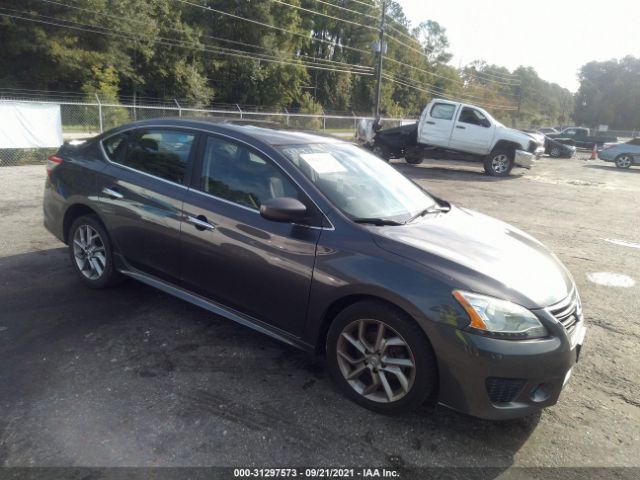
166	49
609	94
309	106
433	38
104	83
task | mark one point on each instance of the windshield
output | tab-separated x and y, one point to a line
358	183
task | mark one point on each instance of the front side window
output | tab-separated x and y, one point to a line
443	111
235	173
161	153
358	183
473	117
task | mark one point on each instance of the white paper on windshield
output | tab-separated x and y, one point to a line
323	162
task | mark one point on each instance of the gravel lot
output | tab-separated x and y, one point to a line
133	377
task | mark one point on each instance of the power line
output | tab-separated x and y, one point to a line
308	10
347	9
477	77
163	41
118	17
256	22
449	97
314	63
506	77
363	3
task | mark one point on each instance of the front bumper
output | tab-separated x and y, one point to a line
504	379
605	155
526	159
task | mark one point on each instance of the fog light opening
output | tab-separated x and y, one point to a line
541	393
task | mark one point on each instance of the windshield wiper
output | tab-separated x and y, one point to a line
377	221
428	211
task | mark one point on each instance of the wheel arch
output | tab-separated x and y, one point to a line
72	213
339	304
506	145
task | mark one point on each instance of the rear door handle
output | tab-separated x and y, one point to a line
460	127
200	222
112	193
429	122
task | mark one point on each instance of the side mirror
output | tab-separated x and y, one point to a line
283	209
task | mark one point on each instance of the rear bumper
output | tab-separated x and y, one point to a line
53	207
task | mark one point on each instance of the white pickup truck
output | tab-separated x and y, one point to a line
458	131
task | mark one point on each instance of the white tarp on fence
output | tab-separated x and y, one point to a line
30	125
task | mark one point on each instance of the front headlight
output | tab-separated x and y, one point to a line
499	318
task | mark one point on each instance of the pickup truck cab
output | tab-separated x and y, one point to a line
460	131
581	137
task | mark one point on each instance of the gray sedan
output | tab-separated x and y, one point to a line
623	154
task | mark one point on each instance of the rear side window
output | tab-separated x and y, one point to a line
443	111
161	153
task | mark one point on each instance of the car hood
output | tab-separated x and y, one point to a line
523	138
479	253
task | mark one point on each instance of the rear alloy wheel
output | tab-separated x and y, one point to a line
91	253
380	358
624	161
499	163
555	152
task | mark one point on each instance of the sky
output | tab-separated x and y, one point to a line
554	37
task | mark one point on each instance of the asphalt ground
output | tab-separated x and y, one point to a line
133	377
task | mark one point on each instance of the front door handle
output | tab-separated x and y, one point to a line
460	127
429	122
200	222
112	193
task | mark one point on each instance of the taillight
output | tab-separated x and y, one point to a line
52	162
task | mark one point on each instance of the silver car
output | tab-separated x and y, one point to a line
623	154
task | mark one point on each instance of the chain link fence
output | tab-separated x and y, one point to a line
82	120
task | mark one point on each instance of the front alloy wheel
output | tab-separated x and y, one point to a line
624	161
375	360
381	358
499	163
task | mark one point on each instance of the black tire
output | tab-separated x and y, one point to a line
101	245
499	162
555	152
624	160
422	377
413	159
381	151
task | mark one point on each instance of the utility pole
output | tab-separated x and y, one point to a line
380	53
519	104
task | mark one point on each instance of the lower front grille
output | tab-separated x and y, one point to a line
503	390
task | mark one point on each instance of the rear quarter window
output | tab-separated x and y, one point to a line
114	146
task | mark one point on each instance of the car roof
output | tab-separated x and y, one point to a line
267	134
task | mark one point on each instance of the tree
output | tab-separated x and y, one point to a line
432	36
609	94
